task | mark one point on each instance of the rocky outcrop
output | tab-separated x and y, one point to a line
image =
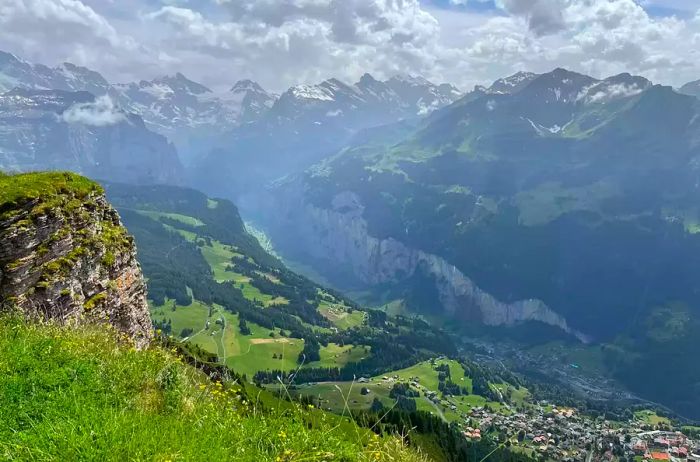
339	234
65	256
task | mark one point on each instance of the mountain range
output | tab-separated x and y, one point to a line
198	120
308	123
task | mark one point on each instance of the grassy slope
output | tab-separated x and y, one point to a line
84	395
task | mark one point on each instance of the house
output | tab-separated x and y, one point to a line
640	447
661	442
660	456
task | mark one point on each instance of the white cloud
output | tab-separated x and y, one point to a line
285	42
99	113
604	93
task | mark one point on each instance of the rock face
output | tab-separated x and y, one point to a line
339	234
65	256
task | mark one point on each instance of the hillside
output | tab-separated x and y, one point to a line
86	394
83	376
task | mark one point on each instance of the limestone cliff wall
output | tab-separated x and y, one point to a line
339	234
69	258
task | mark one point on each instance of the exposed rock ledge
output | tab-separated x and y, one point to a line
66	256
340	235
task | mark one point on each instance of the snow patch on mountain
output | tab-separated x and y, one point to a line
311	92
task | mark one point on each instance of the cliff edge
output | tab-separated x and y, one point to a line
65	256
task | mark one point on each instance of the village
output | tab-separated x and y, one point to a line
562	434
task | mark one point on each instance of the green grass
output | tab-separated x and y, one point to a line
252	353
246	354
84	394
193	316
47	186
338	356
335	396
220	256
187	220
341	316
651	418
332	396
428	376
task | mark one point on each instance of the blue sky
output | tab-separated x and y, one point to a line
679	8
284	42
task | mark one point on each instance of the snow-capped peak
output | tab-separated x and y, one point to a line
511	84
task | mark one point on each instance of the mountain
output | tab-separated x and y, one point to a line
65	256
309	122
691	88
60	130
569	202
188	113
15	72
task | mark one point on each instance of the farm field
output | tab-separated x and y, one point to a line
336	396
340	316
335	355
220	334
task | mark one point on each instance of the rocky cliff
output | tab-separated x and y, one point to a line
339	235
64	254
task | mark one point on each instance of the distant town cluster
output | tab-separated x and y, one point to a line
563	434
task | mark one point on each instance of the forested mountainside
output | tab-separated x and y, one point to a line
556	198
208	276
